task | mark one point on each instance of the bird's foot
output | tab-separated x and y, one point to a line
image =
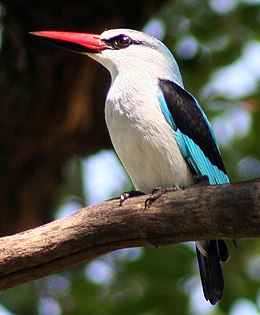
133	193
156	193
201	180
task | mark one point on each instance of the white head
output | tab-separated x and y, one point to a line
131	51
121	51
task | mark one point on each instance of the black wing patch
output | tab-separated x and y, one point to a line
190	120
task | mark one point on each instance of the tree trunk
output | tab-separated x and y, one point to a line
52	101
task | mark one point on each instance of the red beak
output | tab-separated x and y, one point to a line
78	42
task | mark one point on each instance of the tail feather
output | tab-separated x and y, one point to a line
210	269
222	250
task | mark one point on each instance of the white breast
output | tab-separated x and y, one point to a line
145	142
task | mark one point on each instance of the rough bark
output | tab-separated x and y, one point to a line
229	211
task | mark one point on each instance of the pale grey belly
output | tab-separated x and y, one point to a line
150	156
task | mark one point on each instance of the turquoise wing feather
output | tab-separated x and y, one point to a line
193	132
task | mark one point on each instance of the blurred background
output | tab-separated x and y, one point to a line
56	156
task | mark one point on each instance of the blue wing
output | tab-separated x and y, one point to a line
194	134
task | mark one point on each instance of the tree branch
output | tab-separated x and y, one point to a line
229	211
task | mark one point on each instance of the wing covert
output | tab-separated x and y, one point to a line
194	134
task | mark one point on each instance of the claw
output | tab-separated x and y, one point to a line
156	193
133	193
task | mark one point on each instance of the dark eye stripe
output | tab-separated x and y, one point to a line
119	41
114	42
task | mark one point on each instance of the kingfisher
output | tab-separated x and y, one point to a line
158	129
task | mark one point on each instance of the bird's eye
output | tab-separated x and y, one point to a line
122	41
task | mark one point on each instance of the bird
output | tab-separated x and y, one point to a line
158	129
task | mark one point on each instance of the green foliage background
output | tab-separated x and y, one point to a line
164	281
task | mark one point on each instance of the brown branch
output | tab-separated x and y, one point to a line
202	212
